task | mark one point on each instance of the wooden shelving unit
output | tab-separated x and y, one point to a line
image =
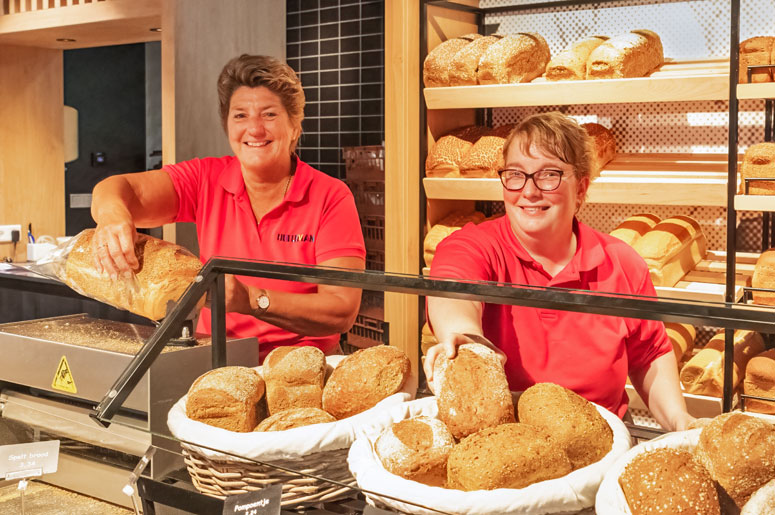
756	91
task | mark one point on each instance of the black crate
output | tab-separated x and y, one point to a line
367	332
373	231
375	259
364	163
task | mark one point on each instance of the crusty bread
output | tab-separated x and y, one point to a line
668	480
760	381
758	161
703	374
739	453
634	227
682	337
573	421
486	156
226	397
465	63
364	378
416	449
672	249
294	378
294	417
762	502
764	277
511	455
514	58
444	228
446	155
756	51
435	70
634	54
571	63
603	146
472	390
165	271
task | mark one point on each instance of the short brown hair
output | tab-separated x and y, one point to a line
262	70
555	134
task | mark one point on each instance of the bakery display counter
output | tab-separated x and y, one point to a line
675	81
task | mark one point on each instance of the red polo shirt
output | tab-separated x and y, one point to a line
587	353
316	221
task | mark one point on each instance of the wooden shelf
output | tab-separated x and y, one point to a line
657	179
755	202
677	81
755	91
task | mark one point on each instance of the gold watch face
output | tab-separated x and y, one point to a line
263	302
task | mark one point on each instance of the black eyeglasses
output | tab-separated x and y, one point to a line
545	180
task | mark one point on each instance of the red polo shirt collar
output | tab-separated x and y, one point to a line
232	181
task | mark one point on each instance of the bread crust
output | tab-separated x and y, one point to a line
756	51
672	249
635	54
513	59
294	378
446	155
435	70
486	156
294	417
682	337
758	161
634	227
760	381
571	63
603	146
226	397
764	277
465	63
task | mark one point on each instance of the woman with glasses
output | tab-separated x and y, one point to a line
541	243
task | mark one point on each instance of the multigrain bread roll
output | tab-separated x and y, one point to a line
739	453
294	378
472	390
435	70
294	417
603	146
416	449
634	227
465	63
672	249
668	481
762	502
682	337
756	51
507	456
573	421
164	273
764	277
444	228
446	155
760	381
634	54
571	63
226	397
758	161
704	373
486	156
514	58
364	378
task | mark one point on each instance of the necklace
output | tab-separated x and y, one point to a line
288	183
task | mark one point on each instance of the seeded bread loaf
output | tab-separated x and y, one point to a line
435	70
571	63
634	54
758	161
634	227
294	378
465	63
514	58
762	502
756	51
294	417
672	249
486	156
226	397
446	155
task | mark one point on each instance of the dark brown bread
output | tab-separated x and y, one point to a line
364	378
755	51
634	54
294	417
515	58
226	397
758	161
435	70
764	277
668	481
446	155
294	378
603	146
507	456
760	381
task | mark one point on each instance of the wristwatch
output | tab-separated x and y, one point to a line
262	302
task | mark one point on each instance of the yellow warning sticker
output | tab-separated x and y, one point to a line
63	379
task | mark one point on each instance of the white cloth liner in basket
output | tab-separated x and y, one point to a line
568	494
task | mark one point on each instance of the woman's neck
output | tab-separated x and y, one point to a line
553	251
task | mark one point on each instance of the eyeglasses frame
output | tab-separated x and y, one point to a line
531	177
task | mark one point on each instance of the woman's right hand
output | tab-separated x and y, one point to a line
448	347
113	246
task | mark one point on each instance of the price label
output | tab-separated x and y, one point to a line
261	502
29	459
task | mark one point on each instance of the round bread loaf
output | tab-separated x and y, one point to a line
294	378
294	417
416	449
507	456
573	421
226	397
668	481
364	378
739	452
762	502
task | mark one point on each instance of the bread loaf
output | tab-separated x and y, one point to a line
704	373
739	453
672	249
364	378
427	338
165	271
603	146
472	390
226	397
762	502
758	161
416	449
682	337
573	421
764	277
507	456
760	382
444	228
634	227
514	58
756	51
634	54
446	155
668	480
294	417
571	63
465	63
486	155
435	70
294	378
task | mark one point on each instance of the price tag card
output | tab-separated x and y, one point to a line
28	459
261	502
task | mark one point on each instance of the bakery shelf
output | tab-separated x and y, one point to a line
756	91
658	179
677	81
699	406
755	202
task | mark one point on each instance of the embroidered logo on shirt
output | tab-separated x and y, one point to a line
292	238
